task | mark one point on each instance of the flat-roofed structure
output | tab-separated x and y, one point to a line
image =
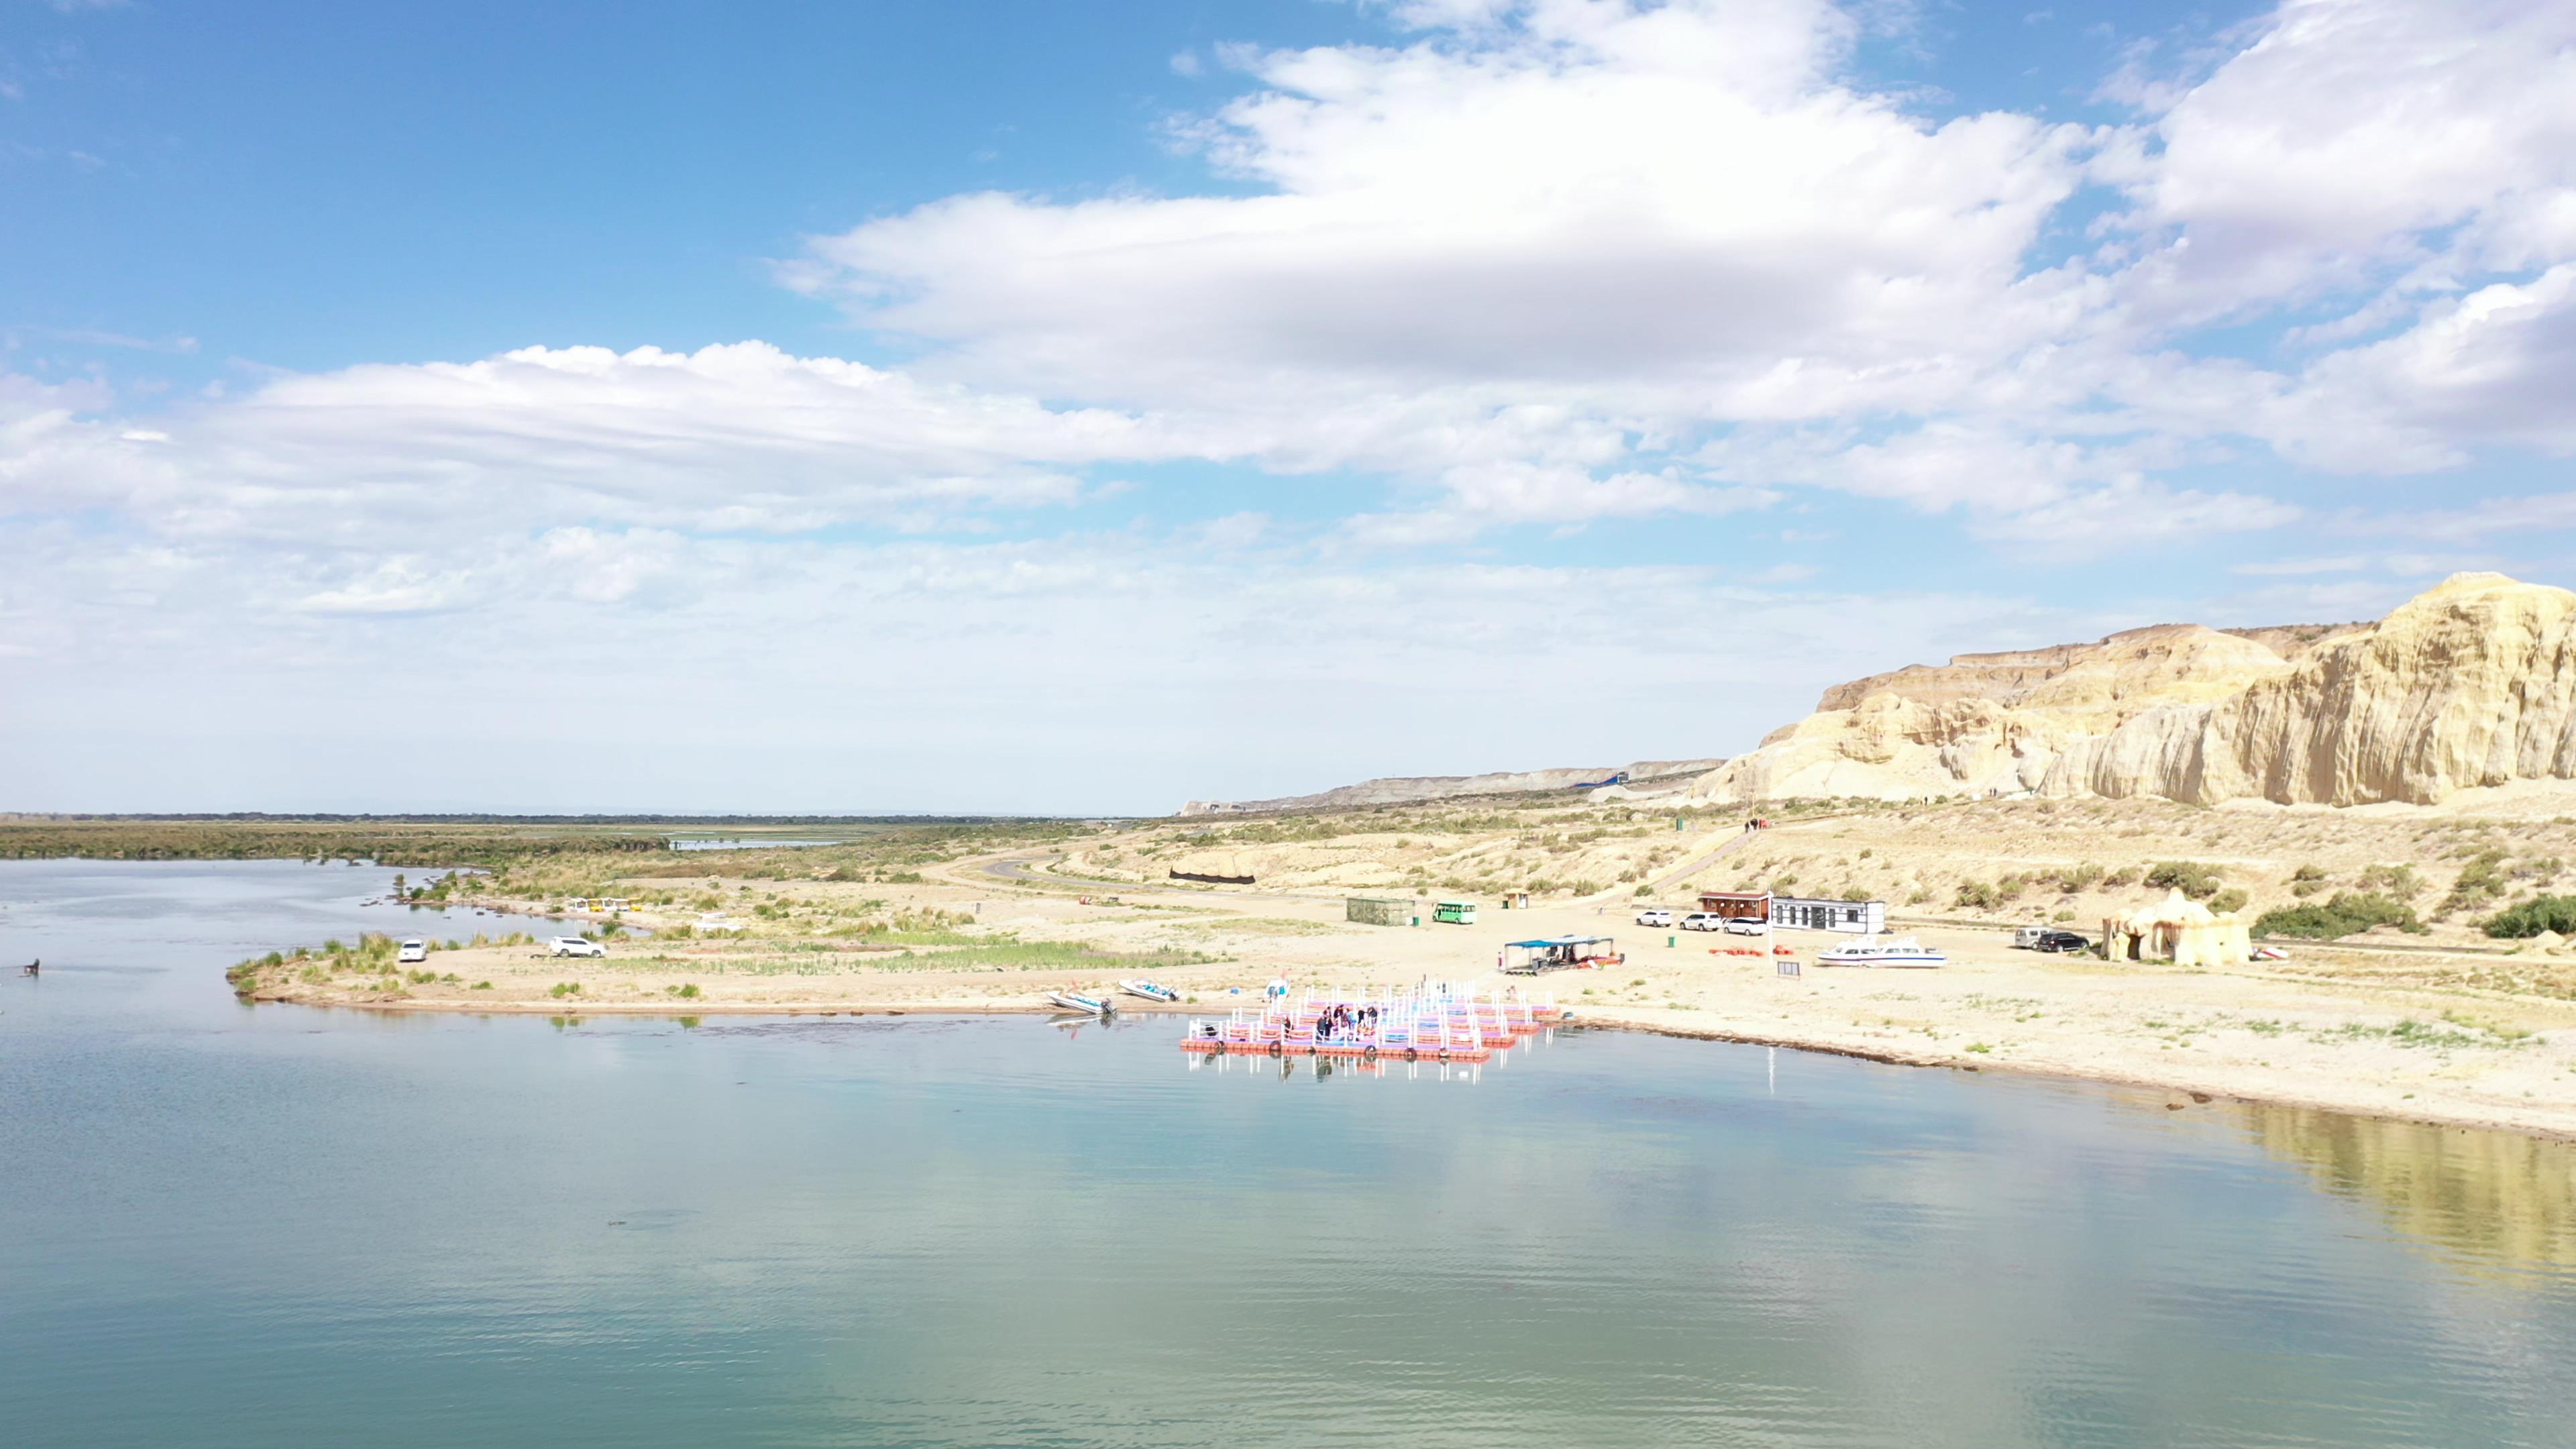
1804	913
1380	910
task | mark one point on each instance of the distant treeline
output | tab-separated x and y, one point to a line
682	821
392	843
878	843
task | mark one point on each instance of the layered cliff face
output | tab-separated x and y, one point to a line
2473	683
1985	723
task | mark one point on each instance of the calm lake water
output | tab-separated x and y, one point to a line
279	1226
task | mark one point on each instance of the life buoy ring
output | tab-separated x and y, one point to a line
1275	1048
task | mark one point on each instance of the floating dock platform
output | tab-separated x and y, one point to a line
1435	1023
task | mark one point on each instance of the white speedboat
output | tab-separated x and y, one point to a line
1149	991
1881	951
1076	1001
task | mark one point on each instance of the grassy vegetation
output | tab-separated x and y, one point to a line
591	848
1043	956
432	842
2348	913
2195	880
2542	913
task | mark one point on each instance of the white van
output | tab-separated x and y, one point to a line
2026	938
413	952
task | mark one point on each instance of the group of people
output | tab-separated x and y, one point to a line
1341	1020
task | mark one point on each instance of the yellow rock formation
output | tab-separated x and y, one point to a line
2472	683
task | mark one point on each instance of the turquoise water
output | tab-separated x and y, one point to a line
222	1225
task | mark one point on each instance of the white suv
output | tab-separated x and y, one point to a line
576	946
1739	926
1703	921
1654	916
412	953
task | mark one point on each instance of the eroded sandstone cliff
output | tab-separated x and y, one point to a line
2472	683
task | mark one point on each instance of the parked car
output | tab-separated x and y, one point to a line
1654	916
1703	921
577	946
413	953
2062	941
1739	926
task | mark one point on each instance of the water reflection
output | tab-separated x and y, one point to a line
2492	1197
239	1228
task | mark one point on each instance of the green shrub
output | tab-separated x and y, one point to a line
2482	880
2399	881
2195	880
2076	879
2350	912
2542	913
2231	899
1978	895
482	986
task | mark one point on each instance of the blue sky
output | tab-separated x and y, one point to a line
1043	407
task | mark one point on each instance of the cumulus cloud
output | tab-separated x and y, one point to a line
1634	215
2347	136
2494	366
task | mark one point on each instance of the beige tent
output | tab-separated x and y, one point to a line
2184	932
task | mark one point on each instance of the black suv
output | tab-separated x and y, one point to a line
2062	941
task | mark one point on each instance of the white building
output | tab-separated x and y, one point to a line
1860	918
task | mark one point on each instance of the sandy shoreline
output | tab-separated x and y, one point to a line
2414	1035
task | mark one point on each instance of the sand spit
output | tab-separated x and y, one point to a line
2446	1028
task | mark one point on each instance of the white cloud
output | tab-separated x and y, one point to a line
2347	138
2495	366
727	438
2139	513
1635	216
785	673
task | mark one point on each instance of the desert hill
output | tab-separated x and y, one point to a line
1404	789
2472	683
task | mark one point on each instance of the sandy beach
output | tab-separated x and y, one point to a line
2389	1028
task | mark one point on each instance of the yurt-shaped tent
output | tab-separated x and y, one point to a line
2181	931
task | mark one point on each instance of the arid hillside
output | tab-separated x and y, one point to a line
2472	684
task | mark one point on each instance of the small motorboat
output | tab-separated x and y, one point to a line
1076	1001
1149	991
1881	951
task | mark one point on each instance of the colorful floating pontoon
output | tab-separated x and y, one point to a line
1440	1022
